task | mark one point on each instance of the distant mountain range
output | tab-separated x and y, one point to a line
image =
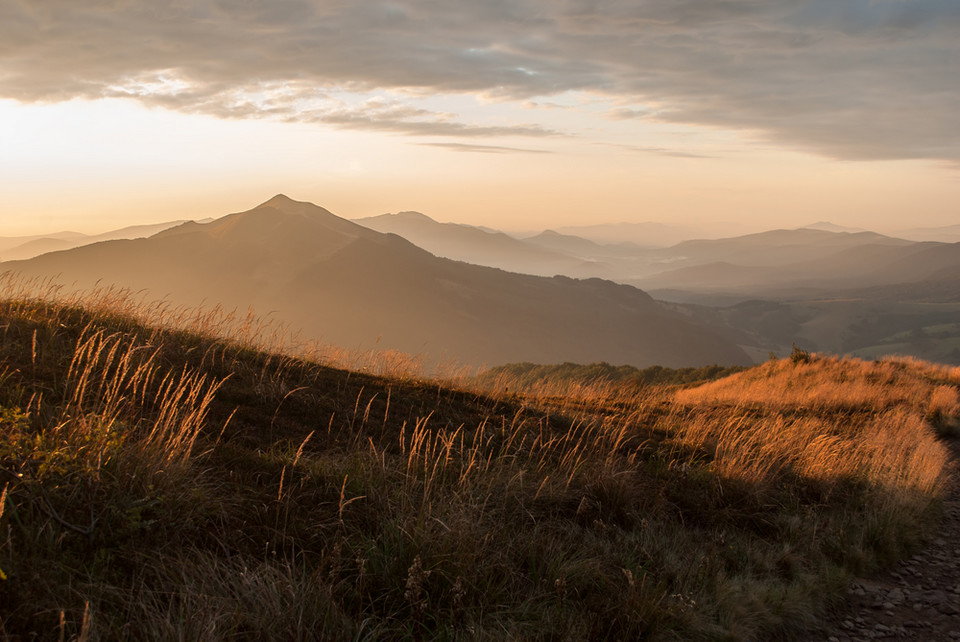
781	259
943	234
819	256
824	286
647	234
352	286
14	248
474	245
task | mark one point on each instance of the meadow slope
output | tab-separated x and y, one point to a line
165	478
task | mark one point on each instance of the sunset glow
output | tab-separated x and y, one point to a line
522	116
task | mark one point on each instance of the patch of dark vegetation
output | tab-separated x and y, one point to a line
520	377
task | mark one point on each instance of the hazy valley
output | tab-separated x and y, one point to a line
822	287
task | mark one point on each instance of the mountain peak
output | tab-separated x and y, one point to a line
413	216
286	205
279	201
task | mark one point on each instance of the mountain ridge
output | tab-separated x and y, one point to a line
352	286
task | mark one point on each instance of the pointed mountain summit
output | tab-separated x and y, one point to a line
287	205
280	231
350	286
282	210
281	201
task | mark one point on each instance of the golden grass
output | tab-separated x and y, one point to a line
827	418
243	329
828	383
113	376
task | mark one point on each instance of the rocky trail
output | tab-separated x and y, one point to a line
917	600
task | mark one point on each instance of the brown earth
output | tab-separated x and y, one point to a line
917	600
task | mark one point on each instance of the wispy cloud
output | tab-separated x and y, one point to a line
296	101
660	151
487	149
864	79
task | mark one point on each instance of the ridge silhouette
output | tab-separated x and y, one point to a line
350	286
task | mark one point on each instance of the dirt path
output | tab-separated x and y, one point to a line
920	598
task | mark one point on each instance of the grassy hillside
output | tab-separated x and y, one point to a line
177	484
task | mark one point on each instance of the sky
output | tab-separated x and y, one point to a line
514	114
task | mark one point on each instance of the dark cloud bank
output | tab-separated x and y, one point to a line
858	79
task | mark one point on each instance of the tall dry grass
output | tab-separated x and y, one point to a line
114	380
245	329
830	383
828	418
116	417
335	504
838	432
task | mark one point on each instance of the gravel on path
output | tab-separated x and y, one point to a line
917	600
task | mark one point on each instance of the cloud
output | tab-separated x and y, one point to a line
859	79
300	102
487	149
629	113
660	151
